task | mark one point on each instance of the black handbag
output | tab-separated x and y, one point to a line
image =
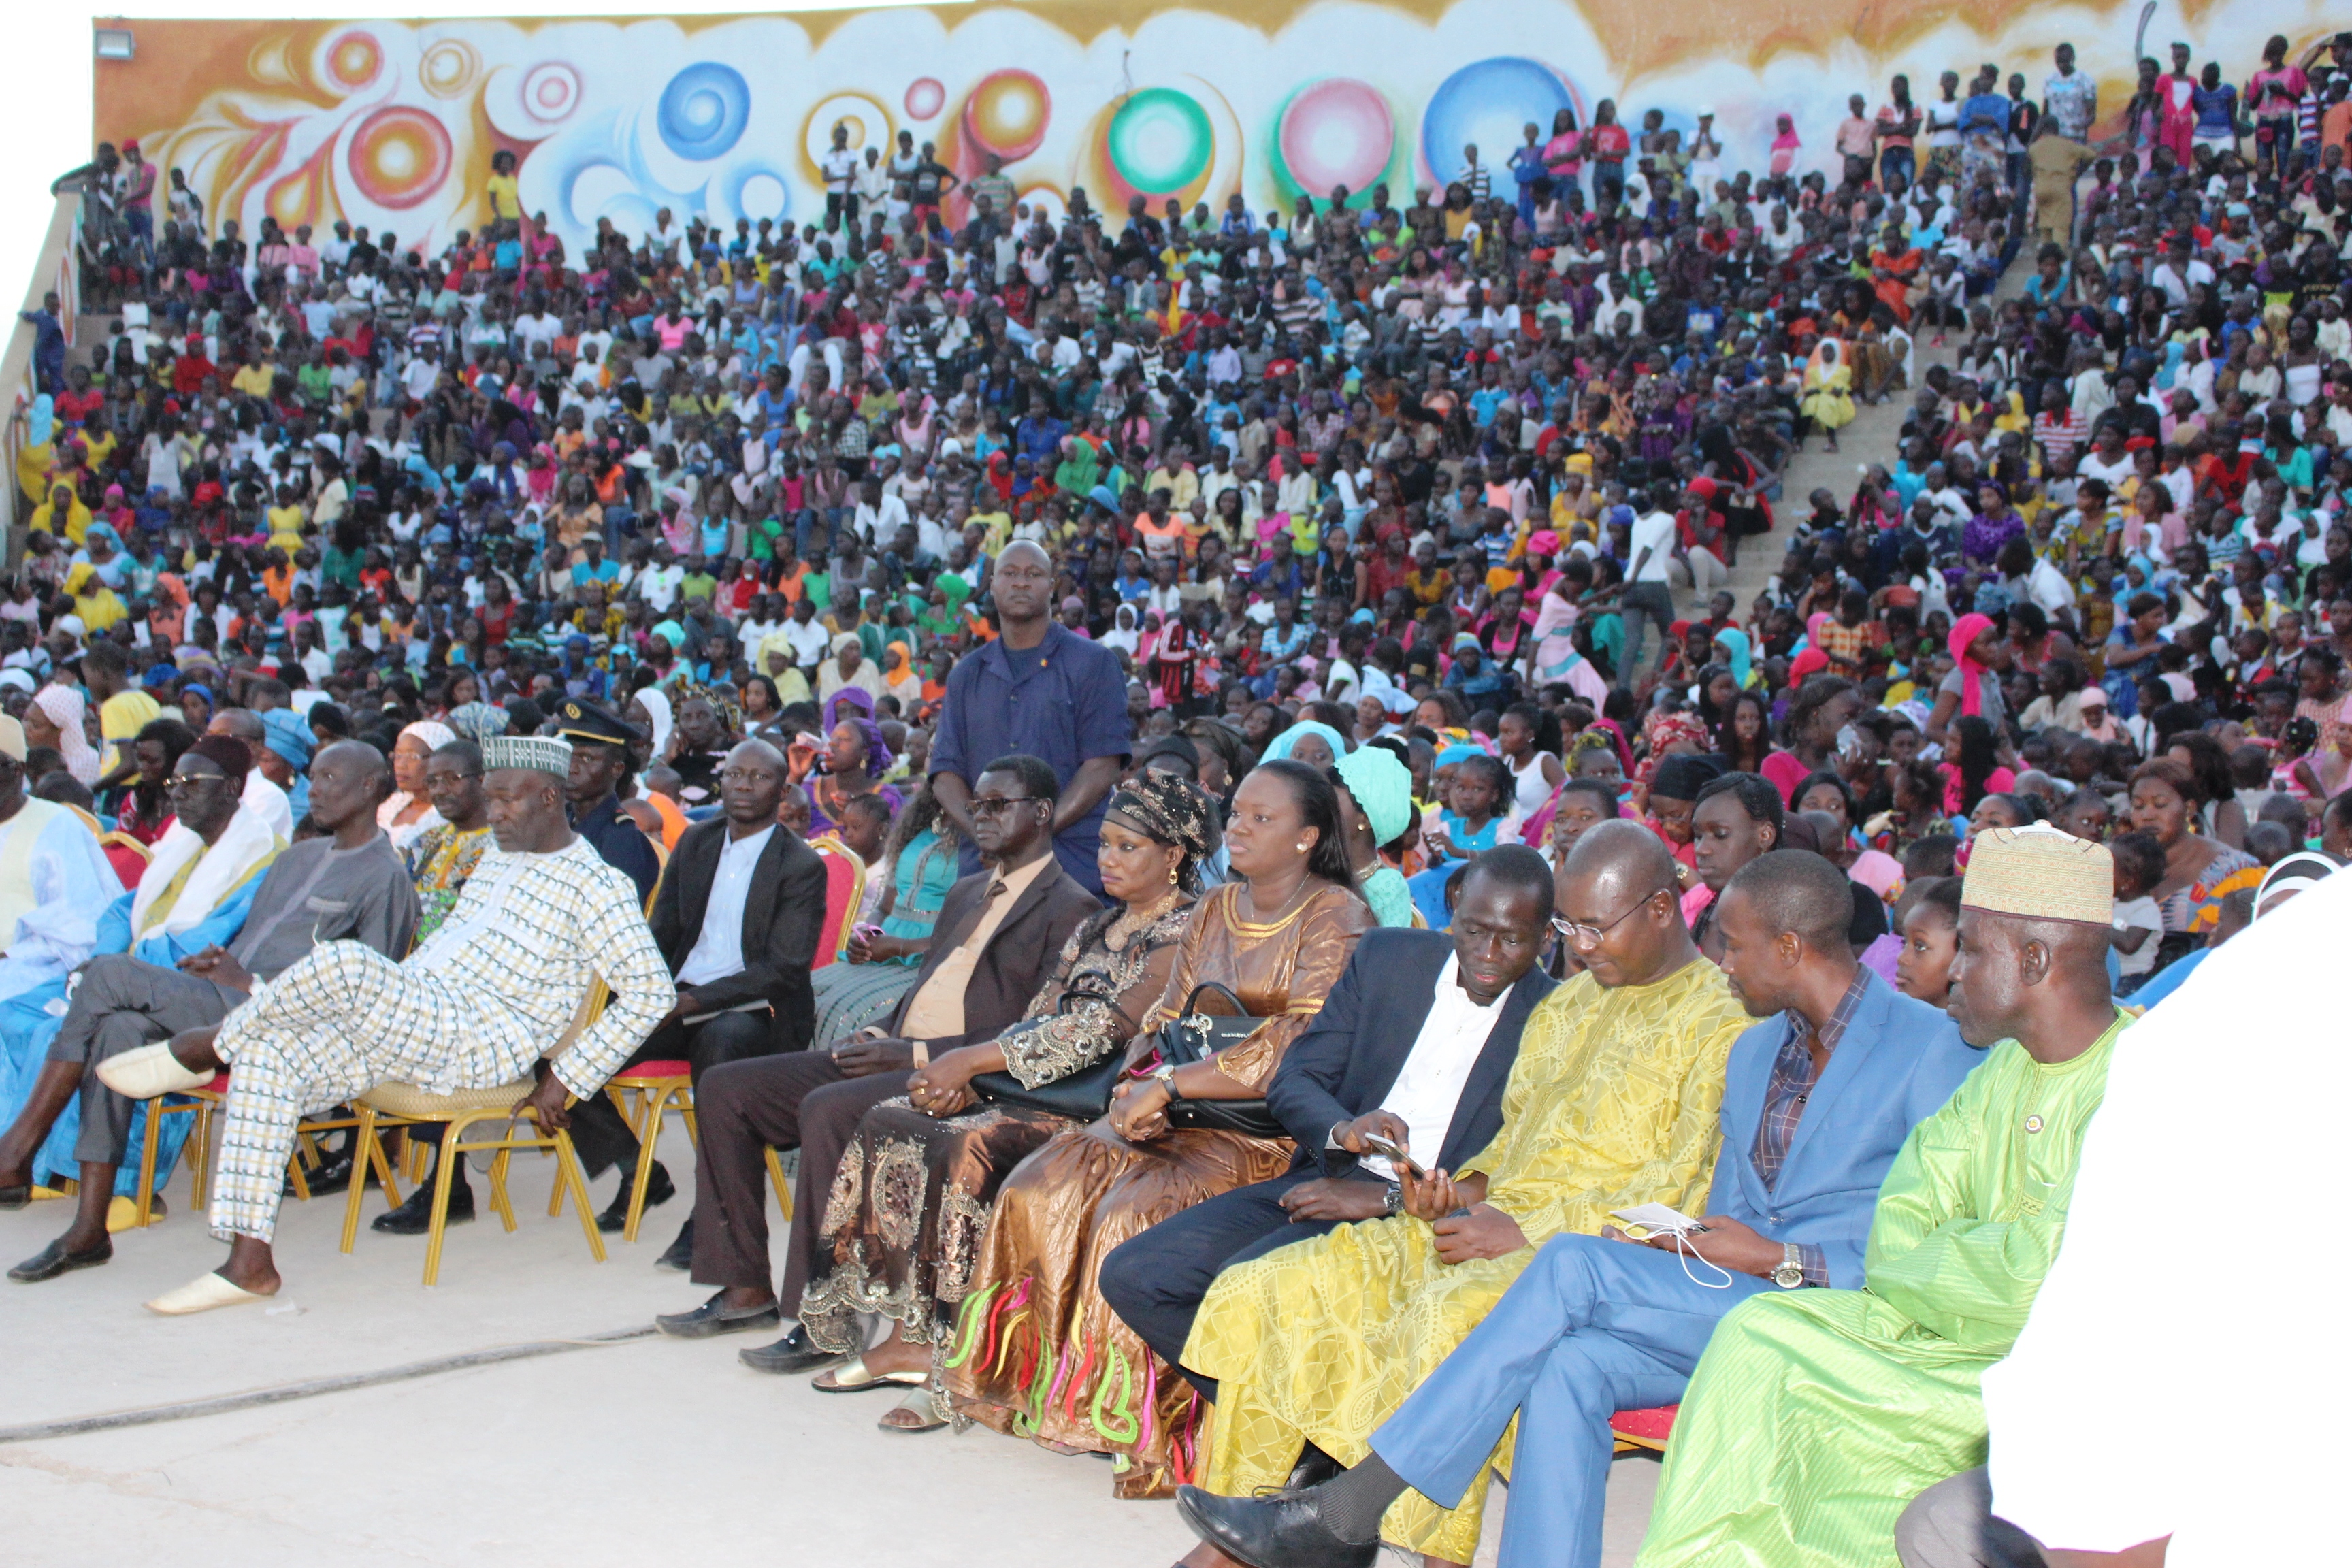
1192	1036
1082	1095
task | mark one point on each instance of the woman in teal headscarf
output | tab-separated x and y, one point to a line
1733	642
1287	744
1376	811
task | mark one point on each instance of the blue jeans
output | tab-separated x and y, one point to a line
1895	169
1592	1327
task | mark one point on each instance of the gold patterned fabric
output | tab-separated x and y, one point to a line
1612	1102
1036	1353
910	1202
445	857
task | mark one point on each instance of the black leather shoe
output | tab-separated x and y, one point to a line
1278	1532
679	1254
414	1218
715	1318
658	1191
54	1259
1314	1467
794	1353
16	1197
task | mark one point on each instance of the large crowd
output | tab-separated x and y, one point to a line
1134	744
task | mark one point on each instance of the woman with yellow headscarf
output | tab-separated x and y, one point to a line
898	677
62	514
99	606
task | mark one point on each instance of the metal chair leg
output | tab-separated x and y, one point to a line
648	1137
453	1148
359	1180
147	1148
568	1172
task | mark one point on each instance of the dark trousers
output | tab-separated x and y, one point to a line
119	1005
1952	1525
600	1135
1156	1282
799	1099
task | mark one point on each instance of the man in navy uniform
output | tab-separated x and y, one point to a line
602	767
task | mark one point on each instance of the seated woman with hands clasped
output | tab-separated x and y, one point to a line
1036	1351
910	1202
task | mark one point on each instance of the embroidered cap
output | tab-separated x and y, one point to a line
531	753
2042	874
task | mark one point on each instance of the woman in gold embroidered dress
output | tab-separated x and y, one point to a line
1036	1353
910	1202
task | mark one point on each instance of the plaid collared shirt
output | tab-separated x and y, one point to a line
1785	1094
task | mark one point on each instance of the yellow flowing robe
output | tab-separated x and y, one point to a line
1612	1102
1815	1415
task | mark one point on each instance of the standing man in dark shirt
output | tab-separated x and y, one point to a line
601	769
1036	690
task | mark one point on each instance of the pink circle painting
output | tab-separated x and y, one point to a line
925	98
399	156
1336	132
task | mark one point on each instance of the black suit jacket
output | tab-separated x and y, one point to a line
783	916
1020	954
1348	1059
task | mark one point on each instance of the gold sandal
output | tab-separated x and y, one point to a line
917	1400
853	1377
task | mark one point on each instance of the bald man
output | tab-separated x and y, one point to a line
1816	1415
1037	690
1614	1101
348	886
1595	1326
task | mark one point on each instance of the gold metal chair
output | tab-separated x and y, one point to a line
784	1187
656	1087
404	1105
203	1102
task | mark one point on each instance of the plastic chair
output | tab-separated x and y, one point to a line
404	1105
657	1086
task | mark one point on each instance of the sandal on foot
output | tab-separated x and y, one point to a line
853	1377
917	1402
202	1294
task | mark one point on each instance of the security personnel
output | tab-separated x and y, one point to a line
602	767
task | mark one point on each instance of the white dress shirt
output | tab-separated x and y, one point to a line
1429	1086
718	950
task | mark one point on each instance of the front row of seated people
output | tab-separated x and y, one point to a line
1874	1226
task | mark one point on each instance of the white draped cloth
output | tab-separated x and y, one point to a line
2182	1373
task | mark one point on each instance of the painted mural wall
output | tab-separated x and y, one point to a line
392	124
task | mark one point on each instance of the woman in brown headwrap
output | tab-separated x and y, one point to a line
1036	1353
910	1202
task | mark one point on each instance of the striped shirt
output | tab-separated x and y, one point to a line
1791	1086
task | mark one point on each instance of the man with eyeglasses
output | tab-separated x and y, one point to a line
1596	1325
349	885
1412	1046
736	918
1613	1102
992	946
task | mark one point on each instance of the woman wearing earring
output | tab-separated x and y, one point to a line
1034	1324
903	1248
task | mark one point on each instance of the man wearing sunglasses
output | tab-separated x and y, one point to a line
350	885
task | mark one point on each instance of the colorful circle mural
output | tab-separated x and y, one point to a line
1007	113
399	156
550	91
1486	104
703	110
354	60
1336	132
1160	140
925	98
868	123
448	68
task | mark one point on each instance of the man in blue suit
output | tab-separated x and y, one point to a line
1415	1043
1819	1097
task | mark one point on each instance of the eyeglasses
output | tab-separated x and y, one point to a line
190	781
991	806
1582	935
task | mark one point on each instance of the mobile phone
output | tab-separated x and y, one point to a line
1397	1157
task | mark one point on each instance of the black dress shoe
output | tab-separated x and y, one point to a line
658	1191
1278	1532
714	1317
54	1259
679	1254
794	1353
1314	1467
16	1197
333	1176
414	1218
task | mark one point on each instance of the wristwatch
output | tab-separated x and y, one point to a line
1165	1077
1791	1273
1392	1200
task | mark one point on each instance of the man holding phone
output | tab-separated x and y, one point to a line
1411	1051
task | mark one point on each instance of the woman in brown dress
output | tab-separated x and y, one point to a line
910	1202
1036	1353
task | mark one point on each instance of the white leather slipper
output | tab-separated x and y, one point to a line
149	1071
201	1294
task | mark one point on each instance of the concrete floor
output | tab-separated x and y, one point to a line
647	1451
